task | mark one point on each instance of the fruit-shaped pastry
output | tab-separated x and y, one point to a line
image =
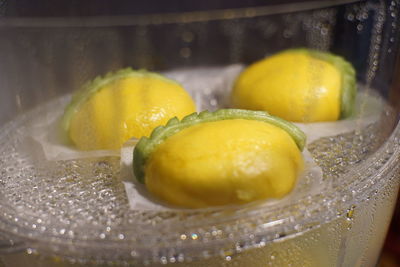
229	156
298	85
109	110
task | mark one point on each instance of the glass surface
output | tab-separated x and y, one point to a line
67	210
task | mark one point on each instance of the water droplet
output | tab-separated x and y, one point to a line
181	258
350	17
194	236
163	260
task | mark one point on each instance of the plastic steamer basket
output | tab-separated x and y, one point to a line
75	211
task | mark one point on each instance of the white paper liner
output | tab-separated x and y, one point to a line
208	83
46	131
361	118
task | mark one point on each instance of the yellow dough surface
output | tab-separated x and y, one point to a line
224	162
292	85
126	108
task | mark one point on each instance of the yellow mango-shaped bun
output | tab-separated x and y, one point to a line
221	158
111	110
298	85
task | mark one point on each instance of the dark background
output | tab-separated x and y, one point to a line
51	8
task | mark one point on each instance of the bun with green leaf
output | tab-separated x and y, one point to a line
230	156
300	85
109	110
